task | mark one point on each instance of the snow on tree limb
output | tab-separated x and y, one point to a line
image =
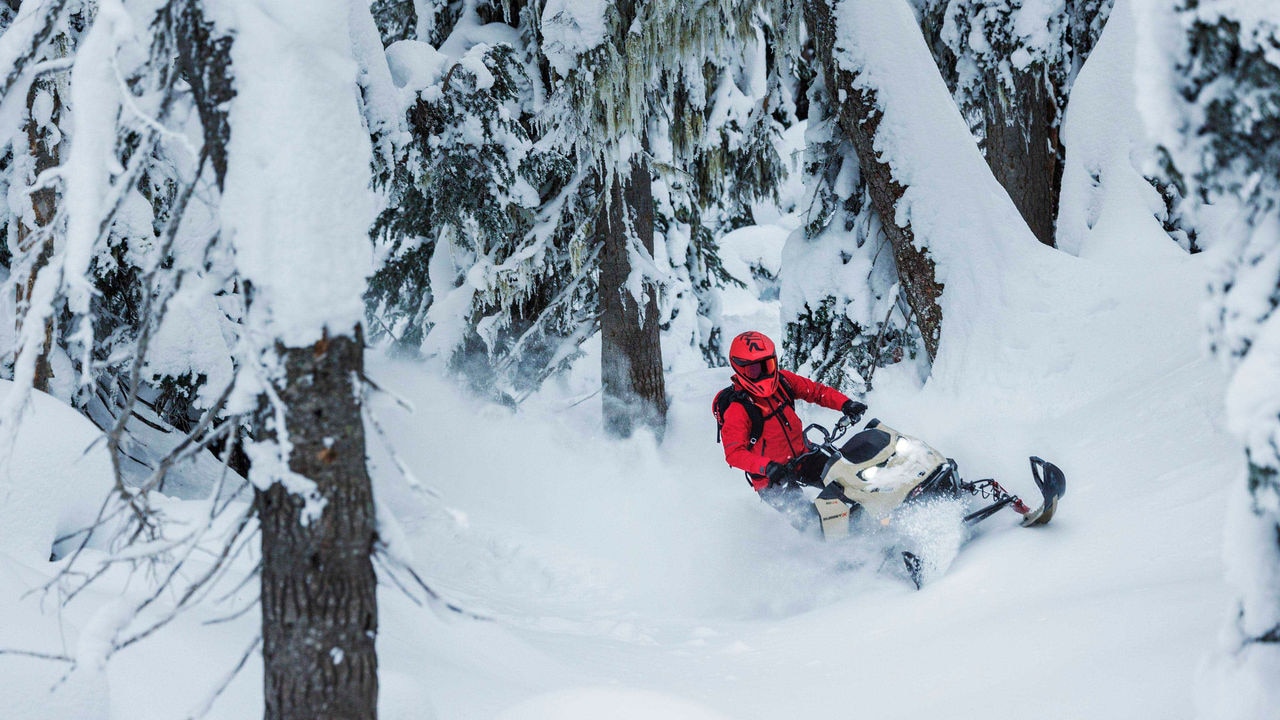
949	220
301	245
21	41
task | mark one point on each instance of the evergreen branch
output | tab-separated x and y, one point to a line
561	298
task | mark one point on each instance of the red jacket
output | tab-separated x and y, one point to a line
782	436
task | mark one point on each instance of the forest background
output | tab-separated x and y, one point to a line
212	209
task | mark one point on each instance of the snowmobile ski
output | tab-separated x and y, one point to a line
915	567
1052	484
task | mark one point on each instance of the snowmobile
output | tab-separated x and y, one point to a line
880	474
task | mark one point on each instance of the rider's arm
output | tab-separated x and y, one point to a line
815	392
736	436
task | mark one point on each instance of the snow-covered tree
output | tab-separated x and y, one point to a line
297	206
1011	64
480	253
859	116
716	157
1212	93
841	310
88	356
217	275
33	149
486	261
506	291
686	86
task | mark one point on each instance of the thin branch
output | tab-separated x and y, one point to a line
392	563
192	589
226	681
237	614
390	447
399	400
38	655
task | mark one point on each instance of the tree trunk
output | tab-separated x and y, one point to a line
631	354
44	155
319	611
859	118
205	61
1022	146
1020	128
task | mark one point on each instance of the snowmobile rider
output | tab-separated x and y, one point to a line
779	438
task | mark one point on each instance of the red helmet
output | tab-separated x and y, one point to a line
755	363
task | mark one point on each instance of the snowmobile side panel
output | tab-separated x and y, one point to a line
835	517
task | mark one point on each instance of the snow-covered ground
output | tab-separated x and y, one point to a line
629	567
644	580
647	577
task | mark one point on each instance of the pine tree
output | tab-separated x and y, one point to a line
35	151
507	291
1221	125
484	249
156	233
718	156
1011	65
661	75
297	209
841	330
859	117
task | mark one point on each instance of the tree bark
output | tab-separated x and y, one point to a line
634	389
1022	144
859	118
1020	128
205	62
44	156
319	608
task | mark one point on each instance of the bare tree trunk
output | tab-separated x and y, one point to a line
859	118
44	155
204	61
631	354
319	609
1022	145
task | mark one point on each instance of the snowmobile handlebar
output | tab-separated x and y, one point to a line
829	437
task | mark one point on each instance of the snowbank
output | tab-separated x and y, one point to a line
614	703
59	477
1103	189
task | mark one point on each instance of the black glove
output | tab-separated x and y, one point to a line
853	410
778	473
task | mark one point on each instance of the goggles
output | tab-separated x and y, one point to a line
756	369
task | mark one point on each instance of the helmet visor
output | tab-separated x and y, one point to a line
756	369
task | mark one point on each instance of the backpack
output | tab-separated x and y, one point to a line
731	395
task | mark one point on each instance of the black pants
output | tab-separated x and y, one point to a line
789	498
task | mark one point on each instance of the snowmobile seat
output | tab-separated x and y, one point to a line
865	445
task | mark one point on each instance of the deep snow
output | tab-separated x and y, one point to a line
636	579
645	575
